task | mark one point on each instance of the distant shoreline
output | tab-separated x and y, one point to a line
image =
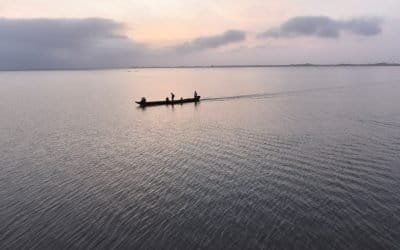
275	65
216	66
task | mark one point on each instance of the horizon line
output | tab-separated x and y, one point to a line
211	66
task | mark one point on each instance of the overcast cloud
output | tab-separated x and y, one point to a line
101	43
65	43
324	27
209	42
87	43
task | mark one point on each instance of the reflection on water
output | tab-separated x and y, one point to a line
270	158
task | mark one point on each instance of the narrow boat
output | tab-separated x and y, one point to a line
168	102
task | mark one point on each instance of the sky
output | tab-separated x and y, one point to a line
53	34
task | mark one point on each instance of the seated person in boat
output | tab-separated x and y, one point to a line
143	100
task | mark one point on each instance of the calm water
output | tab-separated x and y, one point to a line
274	158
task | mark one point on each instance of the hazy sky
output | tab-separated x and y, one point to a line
112	33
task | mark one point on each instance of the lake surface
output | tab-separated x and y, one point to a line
272	158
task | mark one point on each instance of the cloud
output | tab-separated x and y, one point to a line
101	43
69	43
324	27
363	26
209	42
65	43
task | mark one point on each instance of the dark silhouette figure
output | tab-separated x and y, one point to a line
143	101
195	94
167	99
172	97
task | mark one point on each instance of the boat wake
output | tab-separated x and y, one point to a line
266	95
296	92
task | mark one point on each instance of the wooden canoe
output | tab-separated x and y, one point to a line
158	103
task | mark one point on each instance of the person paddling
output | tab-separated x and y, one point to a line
172	97
195	94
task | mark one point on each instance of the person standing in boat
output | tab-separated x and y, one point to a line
195	94
172	97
